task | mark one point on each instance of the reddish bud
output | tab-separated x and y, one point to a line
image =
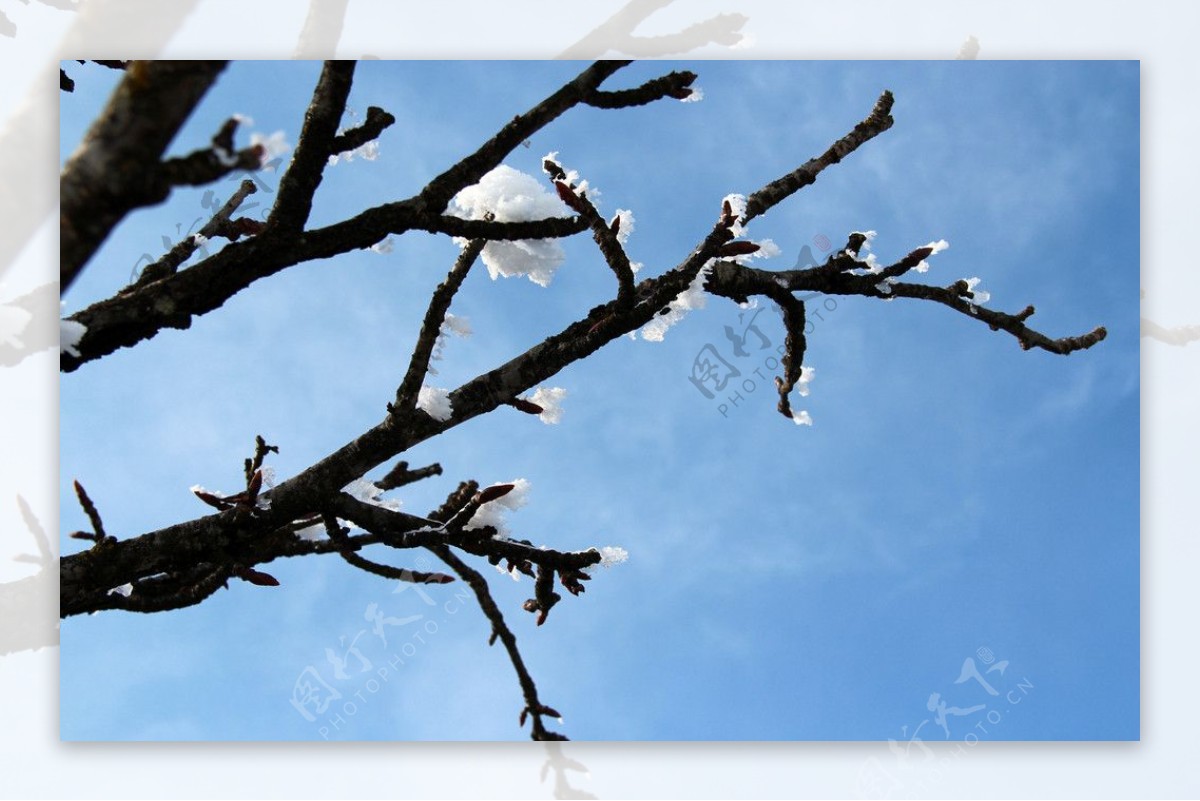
492	493
615	225
438	578
551	711
529	407
257	577
212	500
727	218
255	484
738	249
568	196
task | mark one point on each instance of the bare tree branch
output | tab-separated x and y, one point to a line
299	184
219	225
116	170
533	706
770	195
739	282
124	321
439	304
307	492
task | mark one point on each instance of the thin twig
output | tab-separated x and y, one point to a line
500	629
218	225
401	475
338	536
431	327
299	183
603	233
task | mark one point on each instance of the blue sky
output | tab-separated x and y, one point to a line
954	493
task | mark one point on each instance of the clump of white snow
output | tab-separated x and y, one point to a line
609	555
367	150
363	490
70	333
384	245
451	325
513	196
978	295
492	512
695	97
455	324
124	589
550	399
626	228
612	555
435	402
511	572
802	418
767	249
806	376
690	299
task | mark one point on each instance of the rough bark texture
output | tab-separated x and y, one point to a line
119	165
